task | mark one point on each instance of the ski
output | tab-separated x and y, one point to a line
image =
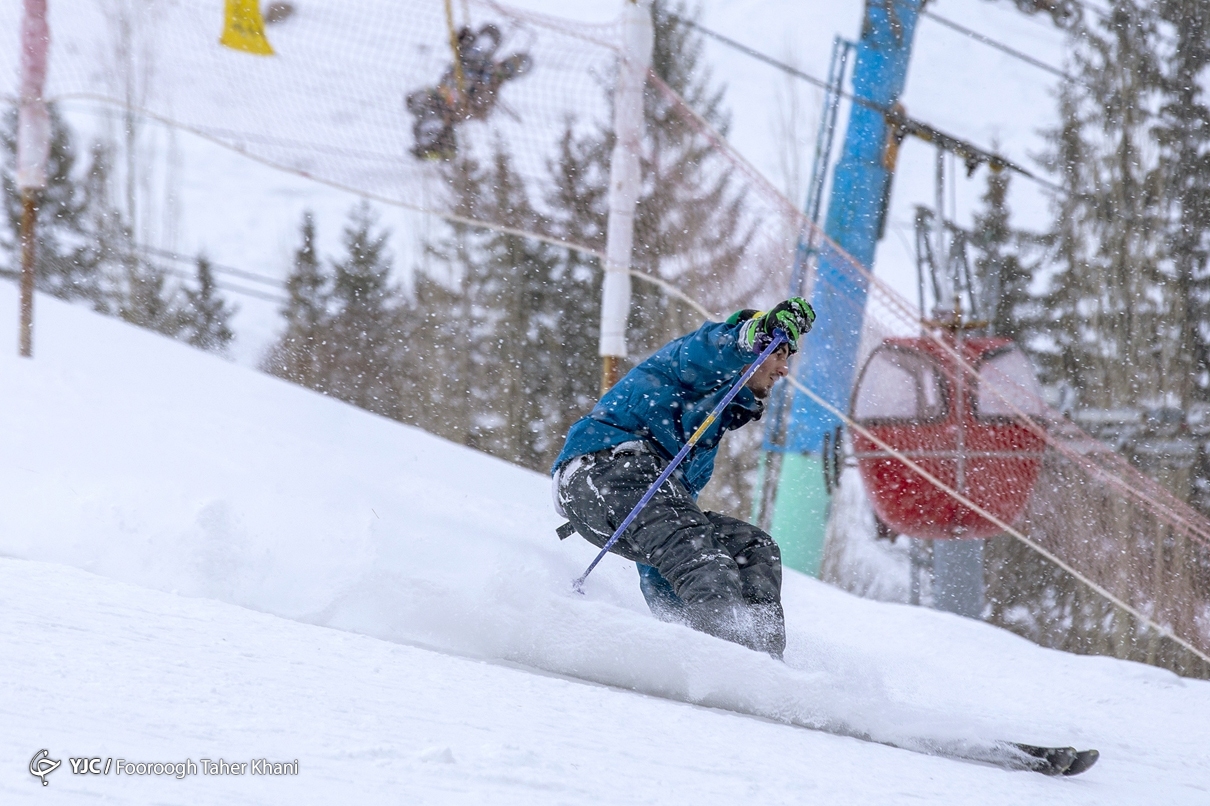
1059	760
1009	755
1013	756
1006	755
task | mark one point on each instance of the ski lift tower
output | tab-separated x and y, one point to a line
861	187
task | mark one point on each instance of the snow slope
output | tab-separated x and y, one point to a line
161	470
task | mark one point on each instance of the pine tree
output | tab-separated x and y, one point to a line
577	199
59	268
505	355
85	248
106	238
1107	304
1003	275
437	366
297	355
362	329
146	299
1122	311
522	361
1183	134
687	224
206	316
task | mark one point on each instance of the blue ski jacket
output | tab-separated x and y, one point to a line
664	399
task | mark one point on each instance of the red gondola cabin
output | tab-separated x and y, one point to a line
911	396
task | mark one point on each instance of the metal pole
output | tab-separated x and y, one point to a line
920	258
29	213
941	254
624	180
861	183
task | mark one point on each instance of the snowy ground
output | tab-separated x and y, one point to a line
202	562
205	562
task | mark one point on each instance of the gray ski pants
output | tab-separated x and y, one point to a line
726	572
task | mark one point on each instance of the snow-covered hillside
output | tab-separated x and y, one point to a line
205	562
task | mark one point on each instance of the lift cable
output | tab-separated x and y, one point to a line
1000	46
183	274
972	155
217	267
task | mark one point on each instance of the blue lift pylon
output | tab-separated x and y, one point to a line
856	213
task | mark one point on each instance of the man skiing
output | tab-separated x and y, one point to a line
717	574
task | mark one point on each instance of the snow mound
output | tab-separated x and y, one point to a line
147	461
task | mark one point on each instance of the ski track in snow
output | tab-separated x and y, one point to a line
141	460
99	668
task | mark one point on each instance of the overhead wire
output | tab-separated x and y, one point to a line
186	275
971	153
226	286
659	282
217	267
992	42
998	45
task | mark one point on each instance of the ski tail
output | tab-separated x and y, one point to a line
1053	760
1049	760
1011	755
1005	755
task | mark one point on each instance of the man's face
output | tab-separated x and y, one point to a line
775	366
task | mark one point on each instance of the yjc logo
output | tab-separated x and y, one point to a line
43	765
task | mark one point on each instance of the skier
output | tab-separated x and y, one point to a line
714	573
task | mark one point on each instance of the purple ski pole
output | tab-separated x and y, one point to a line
779	337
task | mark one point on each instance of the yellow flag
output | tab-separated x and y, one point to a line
244	28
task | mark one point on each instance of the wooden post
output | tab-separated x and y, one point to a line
29	221
33	148
610	370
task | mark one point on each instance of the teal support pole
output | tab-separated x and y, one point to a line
856	215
